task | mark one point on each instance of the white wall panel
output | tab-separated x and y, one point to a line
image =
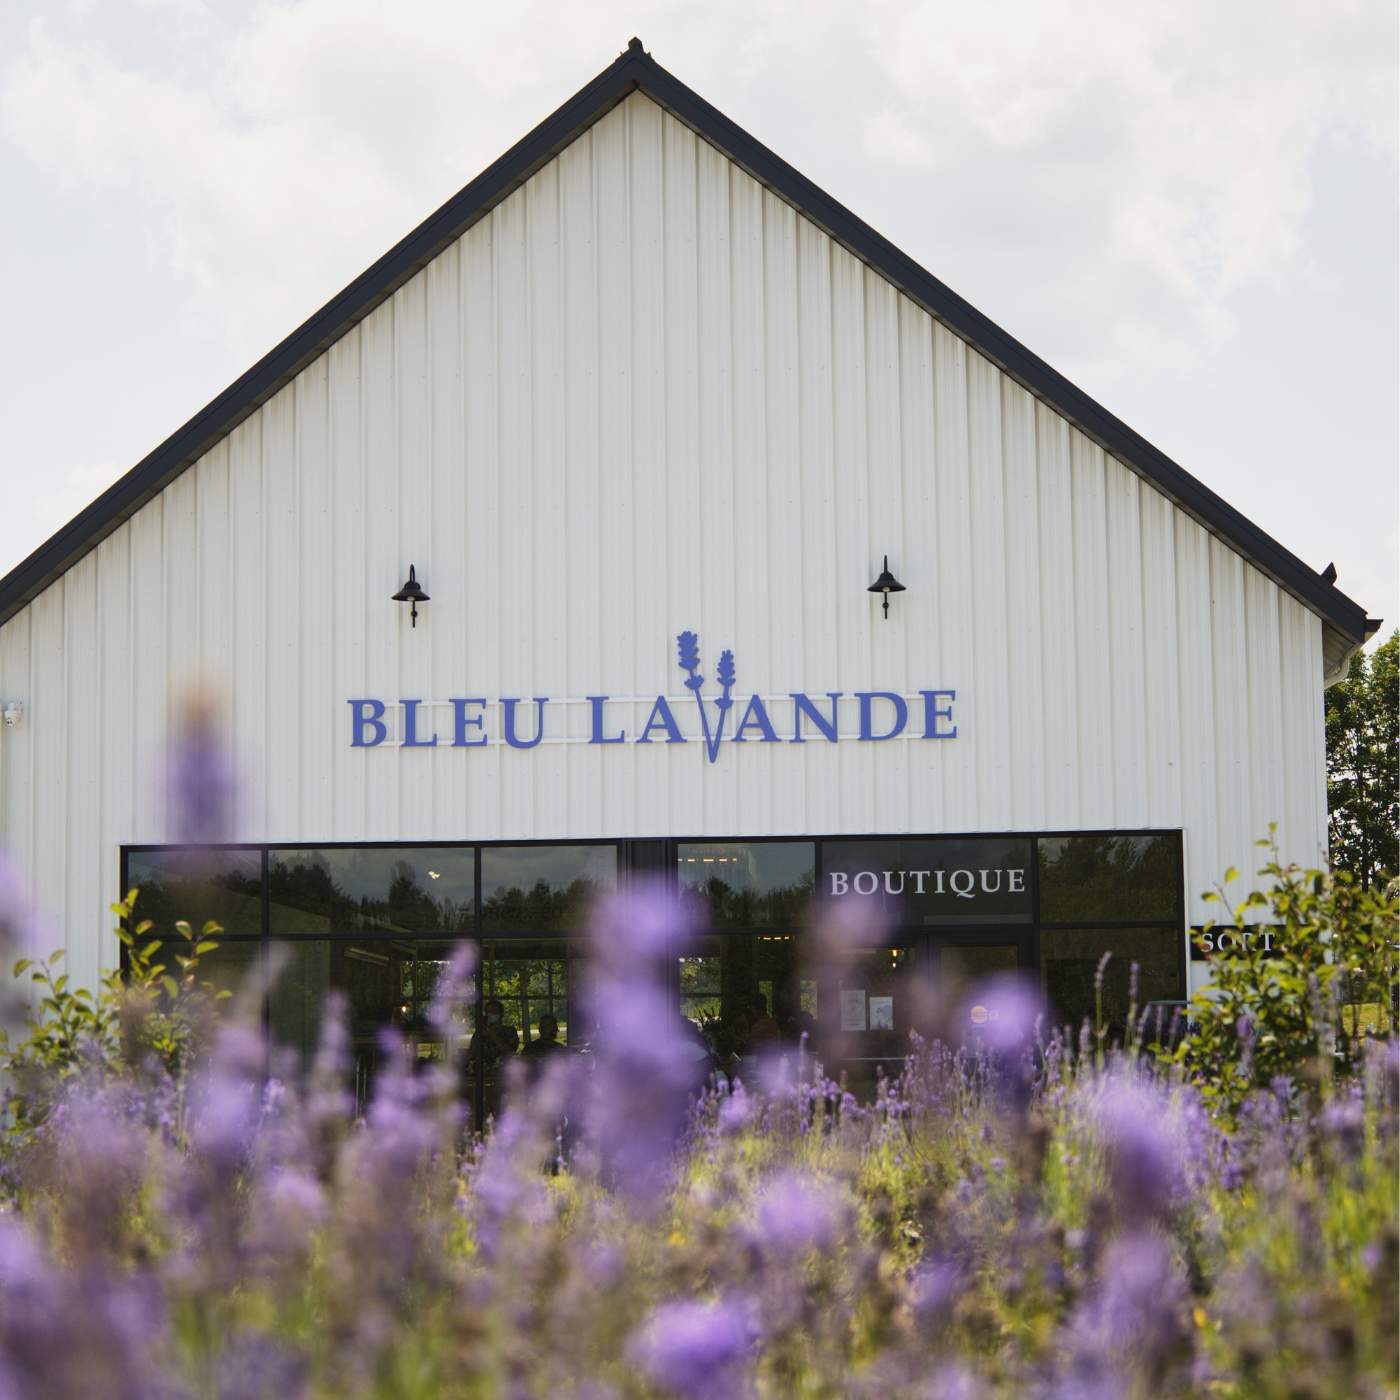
82	682
643	395
114	727
1025	738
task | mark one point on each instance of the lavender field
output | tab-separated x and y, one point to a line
1038	1213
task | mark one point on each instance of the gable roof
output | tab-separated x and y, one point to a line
1345	625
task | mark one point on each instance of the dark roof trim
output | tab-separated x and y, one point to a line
636	69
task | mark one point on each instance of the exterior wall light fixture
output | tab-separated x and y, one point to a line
411	593
886	584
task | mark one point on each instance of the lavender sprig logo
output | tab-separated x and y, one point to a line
689	647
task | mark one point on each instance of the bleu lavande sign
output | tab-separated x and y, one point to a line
883	715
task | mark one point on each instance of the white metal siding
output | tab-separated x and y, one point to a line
645	395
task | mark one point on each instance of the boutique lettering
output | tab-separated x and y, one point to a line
960	884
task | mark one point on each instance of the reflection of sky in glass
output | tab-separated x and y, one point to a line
207	863
444	872
759	868
520	867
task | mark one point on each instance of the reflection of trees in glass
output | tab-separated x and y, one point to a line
232	898
1109	877
406	906
718	904
541	908
1070	961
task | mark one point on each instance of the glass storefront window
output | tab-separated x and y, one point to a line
235	966
1069	960
759	884
543	889
377	924
196	886
982	880
385	982
532	980
969	965
1092	877
745	991
385	890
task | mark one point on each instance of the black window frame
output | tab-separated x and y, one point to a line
648	858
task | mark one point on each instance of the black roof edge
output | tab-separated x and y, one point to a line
636	69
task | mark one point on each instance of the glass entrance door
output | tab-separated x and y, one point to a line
531	1012
962	966
873	999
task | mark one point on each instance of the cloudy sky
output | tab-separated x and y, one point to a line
1190	207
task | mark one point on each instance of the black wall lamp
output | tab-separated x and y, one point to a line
886	584
412	593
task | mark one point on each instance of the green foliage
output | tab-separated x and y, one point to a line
156	1009
1363	783
1301	1002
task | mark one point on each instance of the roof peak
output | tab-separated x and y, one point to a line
637	70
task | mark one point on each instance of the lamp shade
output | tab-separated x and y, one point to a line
411	592
886	584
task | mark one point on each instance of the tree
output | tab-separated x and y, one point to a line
1363	714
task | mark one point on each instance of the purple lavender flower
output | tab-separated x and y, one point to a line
952	1381
199	779
933	1289
227	1101
258	1367
68	1335
695	1350
290	1204
796	1214
453	988
1343	1121
1003	1012
1142	1153
23	930
645	1076
1132	1322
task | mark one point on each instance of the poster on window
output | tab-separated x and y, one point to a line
853	1011
881	1013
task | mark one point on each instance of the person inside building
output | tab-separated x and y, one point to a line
733	1039
546	1042
763	1029
493	1043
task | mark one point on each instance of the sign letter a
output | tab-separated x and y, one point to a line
662	718
756	717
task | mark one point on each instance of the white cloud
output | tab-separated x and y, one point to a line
1112	172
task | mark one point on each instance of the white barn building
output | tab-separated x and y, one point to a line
641	379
